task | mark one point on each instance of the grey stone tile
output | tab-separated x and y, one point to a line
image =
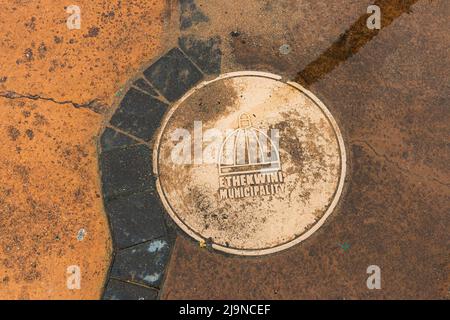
190	14
135	219
139	114
173	75
145	86
119	290
126	171
111	139
144	263
205	53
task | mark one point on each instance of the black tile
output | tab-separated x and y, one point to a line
127	170
205	53
111	139
190	14
144	85
135	219
119	290
144	263
139	114
173	74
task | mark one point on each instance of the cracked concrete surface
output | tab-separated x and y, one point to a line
40	55
56	85
49	192
93	105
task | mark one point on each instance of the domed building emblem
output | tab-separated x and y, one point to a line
249	163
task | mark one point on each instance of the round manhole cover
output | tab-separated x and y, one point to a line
249	164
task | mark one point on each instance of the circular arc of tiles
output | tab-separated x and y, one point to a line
142	237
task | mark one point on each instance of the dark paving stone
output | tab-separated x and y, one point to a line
144	263
173	74
144	85
119	290
190	14
205	53
127	170
111	139
139	114
136	219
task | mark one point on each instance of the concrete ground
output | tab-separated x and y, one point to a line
56	87
388	89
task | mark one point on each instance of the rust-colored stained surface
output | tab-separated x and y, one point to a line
49	192
391	99
54	82
41	56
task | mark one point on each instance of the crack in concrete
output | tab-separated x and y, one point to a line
400	168
94	105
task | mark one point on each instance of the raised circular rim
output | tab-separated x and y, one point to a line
252	252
